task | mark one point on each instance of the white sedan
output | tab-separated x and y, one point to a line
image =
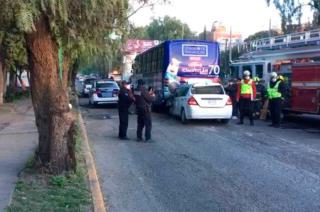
104	92
201	101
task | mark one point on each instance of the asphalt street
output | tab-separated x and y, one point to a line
205	165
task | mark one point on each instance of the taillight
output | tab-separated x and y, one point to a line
97	91
115	92
192	101
229	101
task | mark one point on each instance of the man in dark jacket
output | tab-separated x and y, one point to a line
260	97
125	100
276	93
231	90
143	100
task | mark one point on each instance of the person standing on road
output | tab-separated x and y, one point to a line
275	92
245	95
231	90
126	98
261	93
143	102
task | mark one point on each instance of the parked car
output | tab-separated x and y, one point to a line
87	85
104	92
201	101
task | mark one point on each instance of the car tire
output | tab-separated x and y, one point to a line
225	121
183	117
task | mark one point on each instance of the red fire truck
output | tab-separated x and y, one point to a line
294	56
305	88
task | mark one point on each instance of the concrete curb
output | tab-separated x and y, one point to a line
97	196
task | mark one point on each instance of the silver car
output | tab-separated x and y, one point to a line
104	92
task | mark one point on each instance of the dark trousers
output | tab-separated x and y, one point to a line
275	111
246	108
235	107
144	121
123	126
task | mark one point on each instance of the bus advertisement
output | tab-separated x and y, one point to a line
172	63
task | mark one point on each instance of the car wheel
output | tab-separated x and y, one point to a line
225	121
183	117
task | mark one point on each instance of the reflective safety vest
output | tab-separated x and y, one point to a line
273	92
246	88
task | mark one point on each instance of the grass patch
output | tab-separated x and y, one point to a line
13	97
42	192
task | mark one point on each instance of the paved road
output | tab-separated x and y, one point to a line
206	166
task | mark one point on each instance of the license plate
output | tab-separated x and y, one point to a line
105	95
212	102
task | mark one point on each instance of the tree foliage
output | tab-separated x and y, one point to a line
290	13
169	28
315	5
262	34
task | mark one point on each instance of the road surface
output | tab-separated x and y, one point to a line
205	165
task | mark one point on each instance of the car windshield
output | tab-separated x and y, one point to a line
216	89
106	85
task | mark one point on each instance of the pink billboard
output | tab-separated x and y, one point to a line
137	46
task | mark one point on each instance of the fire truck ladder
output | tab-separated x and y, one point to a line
285	41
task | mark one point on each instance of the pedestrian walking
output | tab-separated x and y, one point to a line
276	92
245	95
126	98
231	90
143	100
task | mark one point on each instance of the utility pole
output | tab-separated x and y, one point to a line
205	33
270	28
230	46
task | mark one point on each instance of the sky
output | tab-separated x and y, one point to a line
243	16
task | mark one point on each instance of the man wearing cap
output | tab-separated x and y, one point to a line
125	100
275	94
143	100
245	95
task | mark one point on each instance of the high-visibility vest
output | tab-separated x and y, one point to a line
273	92
246	88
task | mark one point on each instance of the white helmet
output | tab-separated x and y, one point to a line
246	73
273	75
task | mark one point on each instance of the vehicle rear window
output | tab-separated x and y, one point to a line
208	90
89	81
106	85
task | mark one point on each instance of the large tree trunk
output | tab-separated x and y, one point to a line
54	119
12	88
73	75
2	81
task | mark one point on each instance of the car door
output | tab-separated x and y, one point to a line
181	99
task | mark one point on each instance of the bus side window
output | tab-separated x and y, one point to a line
154	59
160	59
149	62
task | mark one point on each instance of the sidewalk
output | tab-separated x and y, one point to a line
18	140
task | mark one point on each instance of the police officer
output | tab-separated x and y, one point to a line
275	94
143	100
125	100
245	95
